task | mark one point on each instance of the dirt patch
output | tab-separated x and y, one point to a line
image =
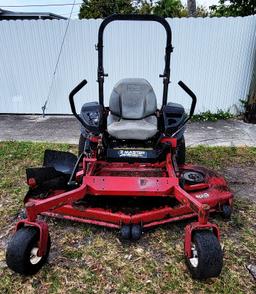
241	180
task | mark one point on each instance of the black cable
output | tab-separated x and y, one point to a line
58	59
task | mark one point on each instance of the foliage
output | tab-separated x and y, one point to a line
164	8
145	7
209	116
244	104
103	8
201	11
234	8
168	8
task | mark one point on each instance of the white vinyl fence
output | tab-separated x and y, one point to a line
213	56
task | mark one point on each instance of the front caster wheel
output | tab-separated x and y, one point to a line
207	256
125	232
136	232
21	254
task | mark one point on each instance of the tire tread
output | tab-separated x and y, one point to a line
19	248
210	256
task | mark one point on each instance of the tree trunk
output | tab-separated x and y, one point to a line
191	7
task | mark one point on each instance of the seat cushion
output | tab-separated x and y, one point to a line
124	129
133	99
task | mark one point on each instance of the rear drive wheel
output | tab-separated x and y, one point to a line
21	254
207	256
181	151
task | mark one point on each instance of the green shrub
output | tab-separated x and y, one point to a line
209	116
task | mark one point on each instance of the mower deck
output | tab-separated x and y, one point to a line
113	194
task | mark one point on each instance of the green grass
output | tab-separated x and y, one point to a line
88	259
219	157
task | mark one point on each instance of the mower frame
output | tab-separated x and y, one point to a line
60	204
95	177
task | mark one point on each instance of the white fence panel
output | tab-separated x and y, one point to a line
213	56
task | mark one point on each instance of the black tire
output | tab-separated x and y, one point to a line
18	254
209	256
136	232
125	232
181	151
81	144
226	211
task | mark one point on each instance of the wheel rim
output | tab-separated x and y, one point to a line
194	259
193	176
34	258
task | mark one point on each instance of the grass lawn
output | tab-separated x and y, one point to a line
88	259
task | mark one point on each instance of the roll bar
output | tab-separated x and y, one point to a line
135	17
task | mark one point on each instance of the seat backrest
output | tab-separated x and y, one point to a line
133	99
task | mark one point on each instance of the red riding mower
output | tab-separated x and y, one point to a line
130	174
